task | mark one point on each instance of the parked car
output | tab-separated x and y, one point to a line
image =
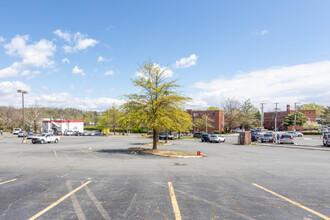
267	138
163	135
294	134
326	139
59	133
68	132
97	132
323	130
16	131
286	139
45	138
217	138
206	137
236	130
77	133
30	135
22	134
255	136
197	135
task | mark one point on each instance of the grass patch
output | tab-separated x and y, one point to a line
145	136
166	153
158	143
186	138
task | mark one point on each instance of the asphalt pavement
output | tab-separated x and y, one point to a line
98	178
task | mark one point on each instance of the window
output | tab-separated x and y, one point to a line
201	114
213	120
309	113
195	114
213	114
213	126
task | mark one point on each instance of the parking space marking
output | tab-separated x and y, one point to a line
97	204
58	201
76	205
55	153
174	202
292	202
8	181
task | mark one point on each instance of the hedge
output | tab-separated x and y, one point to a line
311	133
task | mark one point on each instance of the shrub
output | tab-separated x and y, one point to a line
216	132
311	133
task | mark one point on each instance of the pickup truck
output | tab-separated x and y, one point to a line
45	138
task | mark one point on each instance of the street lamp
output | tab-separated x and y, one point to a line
23	127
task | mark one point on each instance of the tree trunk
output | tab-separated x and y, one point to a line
154	142
179	135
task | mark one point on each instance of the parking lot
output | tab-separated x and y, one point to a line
98	178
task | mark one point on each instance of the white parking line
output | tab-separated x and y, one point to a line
97	204
76	205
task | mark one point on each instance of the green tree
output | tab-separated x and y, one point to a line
257	119
157	103
300	119
247	112
326	115
200	123
312	106
213	108
110	118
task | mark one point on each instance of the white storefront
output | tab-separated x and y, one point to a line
62	125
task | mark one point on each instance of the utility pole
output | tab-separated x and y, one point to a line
23	126
206	122
295	116
262	115
276	122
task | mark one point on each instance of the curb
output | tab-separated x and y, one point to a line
296	147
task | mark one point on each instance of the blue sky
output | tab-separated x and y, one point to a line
266	51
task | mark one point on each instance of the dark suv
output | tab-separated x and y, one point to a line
197	135
206	137
326	139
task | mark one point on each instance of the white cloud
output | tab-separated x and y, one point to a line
109	73
76	42
2	39
167	72
64	35
186	62
100	59
9	96
72	87
8	93
287	84
76	70
262	32
65	60
33	55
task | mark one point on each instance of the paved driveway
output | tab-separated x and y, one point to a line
96	178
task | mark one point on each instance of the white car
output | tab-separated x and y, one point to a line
217	138
294	134
68	132
286	139
16	131
45	138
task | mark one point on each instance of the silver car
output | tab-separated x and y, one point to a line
217	138
286	139
294	134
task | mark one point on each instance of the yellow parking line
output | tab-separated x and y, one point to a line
8	181
174	202
292	202
58	201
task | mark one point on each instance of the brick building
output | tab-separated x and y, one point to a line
217	117
269	118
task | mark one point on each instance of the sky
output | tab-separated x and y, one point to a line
85	54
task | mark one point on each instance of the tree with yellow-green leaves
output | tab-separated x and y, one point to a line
158	104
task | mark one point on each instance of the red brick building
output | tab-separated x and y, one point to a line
217	117
269	118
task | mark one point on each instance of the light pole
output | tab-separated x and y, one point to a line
276	122
262	116
295	116
23	127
